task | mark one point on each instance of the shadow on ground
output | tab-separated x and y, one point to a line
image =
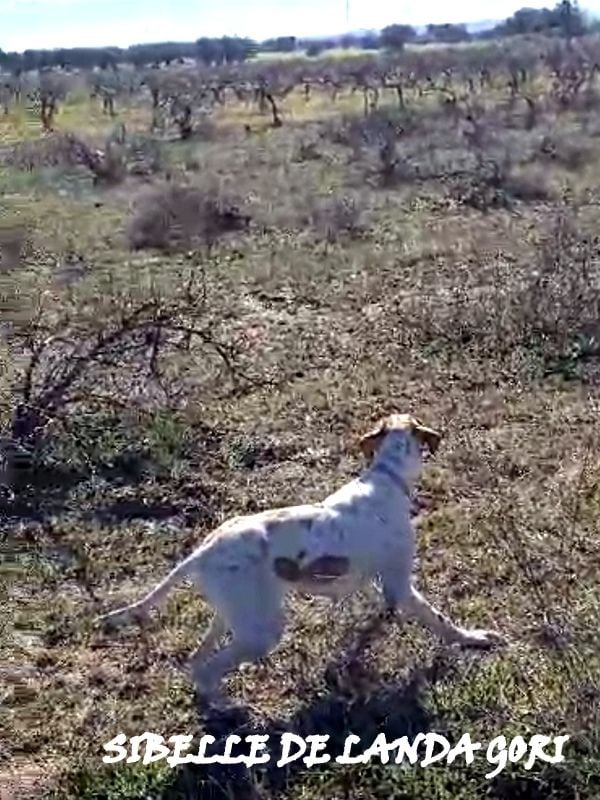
395	710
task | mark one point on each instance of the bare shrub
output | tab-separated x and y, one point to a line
180	218
570	152
120	155
334	217
189	124
544	316
391	168
529	184
182	115
144	156
497	183
308	151
375	130
15	242
52	150
108	165
115	348
67	150
483	189
375	138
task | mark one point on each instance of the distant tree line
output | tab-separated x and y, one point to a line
565	19
224	50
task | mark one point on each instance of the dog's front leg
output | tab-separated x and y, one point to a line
429	616
398	590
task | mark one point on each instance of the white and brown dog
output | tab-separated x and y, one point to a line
361	533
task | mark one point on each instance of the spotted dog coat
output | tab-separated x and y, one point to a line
361	533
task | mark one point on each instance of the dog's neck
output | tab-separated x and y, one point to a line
397	461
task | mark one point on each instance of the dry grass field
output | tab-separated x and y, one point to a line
198	325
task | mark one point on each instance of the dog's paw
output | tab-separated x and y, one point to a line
482	638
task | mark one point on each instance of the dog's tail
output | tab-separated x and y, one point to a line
139	610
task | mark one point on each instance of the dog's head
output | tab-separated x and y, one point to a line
426	437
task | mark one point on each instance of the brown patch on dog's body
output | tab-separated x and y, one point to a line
287	569
322	570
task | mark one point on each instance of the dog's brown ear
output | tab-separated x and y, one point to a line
427	436
370	441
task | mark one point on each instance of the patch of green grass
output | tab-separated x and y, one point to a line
112	784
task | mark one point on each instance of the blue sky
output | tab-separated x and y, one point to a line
70	23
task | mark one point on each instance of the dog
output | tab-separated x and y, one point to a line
361	533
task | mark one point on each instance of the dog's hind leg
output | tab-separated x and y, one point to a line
252	611
246	647
211	638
